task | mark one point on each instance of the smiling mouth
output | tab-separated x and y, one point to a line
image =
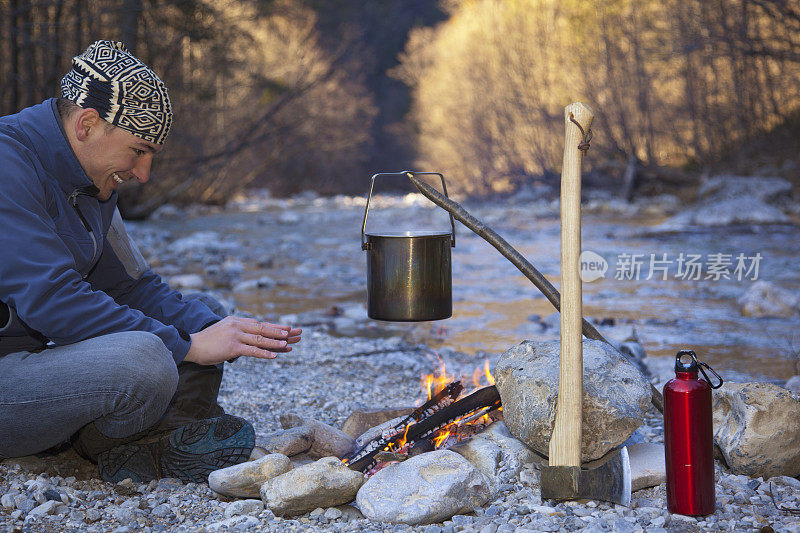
117	178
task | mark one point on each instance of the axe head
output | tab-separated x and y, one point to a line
609	481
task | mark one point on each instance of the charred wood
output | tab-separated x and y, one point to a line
421	430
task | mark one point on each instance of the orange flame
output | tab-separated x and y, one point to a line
402	442
441	437
477	374
480	373
433	383
487	372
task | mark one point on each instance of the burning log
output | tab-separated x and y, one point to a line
473	406
409	432
364	458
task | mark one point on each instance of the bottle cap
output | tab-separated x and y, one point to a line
681	365
693	365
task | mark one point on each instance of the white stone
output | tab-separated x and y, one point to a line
428	488
616	395
757	428
48	507
543	509
648	465
333	514
349	512
237	523
7	501
245	479
794	483
491	448
244	507
324	483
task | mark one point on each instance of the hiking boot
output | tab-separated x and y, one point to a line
89	442
189	453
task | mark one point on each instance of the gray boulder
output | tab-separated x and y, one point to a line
428	488
496	453
324	483
245	479
763	298
757	428
616	395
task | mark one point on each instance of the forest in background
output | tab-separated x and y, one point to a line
319	94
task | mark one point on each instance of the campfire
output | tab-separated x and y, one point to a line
447	415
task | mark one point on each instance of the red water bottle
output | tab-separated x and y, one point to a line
688	438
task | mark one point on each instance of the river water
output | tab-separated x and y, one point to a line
310	249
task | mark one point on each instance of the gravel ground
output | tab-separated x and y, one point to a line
326	378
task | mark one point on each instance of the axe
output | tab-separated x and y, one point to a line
563	478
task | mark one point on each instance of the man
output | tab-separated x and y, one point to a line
94	348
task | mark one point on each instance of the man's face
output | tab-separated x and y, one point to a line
112	156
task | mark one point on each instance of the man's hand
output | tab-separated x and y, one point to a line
234	337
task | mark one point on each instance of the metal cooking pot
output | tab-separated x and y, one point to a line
409	276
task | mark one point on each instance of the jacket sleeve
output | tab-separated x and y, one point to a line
122	273
38	276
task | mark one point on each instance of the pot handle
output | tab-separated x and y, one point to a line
364	244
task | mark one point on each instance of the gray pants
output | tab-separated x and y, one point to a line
119	384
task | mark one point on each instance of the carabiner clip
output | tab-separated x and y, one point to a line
700	365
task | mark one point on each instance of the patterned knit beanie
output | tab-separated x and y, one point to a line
125	92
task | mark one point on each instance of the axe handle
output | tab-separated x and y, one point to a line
565	442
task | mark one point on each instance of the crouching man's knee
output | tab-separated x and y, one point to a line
146	377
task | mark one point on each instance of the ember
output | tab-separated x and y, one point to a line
445	417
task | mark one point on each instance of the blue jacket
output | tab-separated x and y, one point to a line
59	277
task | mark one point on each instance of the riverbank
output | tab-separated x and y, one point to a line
326	378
